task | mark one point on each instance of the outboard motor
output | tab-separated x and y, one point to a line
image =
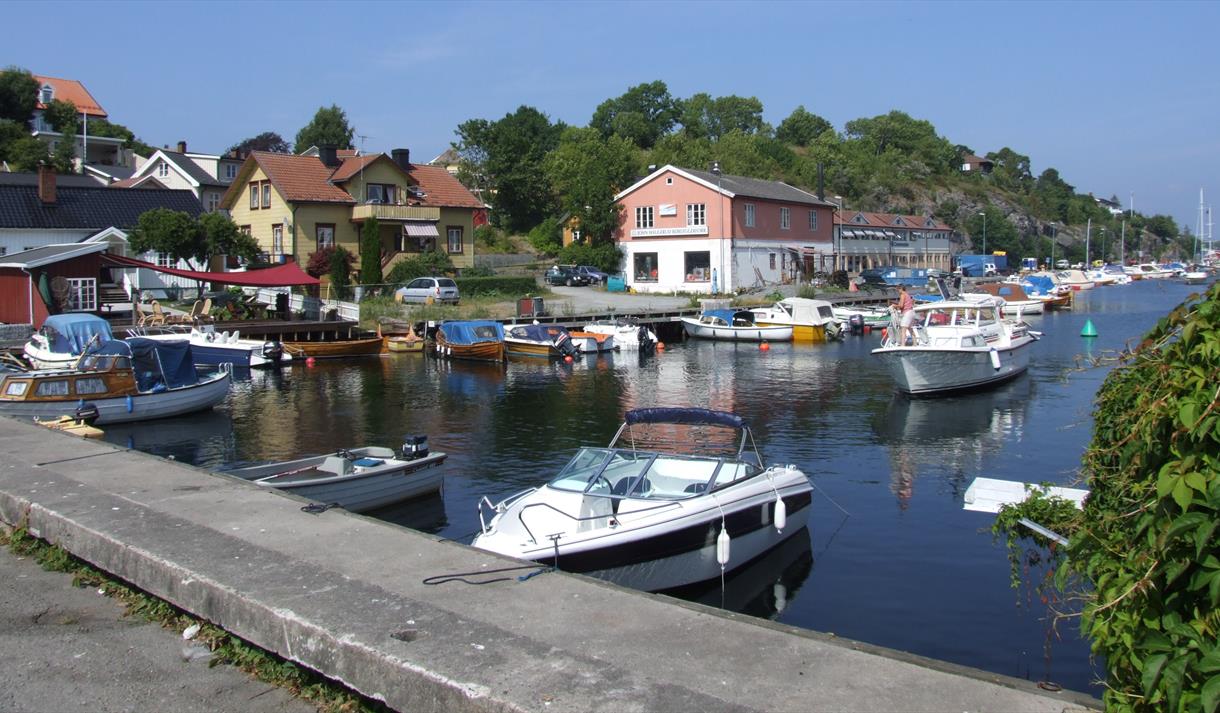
566	346
87	413
856	322
646	342
414	446
273	352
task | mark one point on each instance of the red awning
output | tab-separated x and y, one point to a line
284	275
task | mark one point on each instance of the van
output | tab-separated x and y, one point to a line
1062	264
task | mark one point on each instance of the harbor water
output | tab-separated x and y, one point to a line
889	557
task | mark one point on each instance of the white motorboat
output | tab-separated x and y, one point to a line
733	325
647	513
1076	280
1196	275
62	339
1015	302
1101	278
211	347
810	320
872	316
959	345
593	342
1150	271
627	334
358	480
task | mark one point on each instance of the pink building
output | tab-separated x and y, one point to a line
684	230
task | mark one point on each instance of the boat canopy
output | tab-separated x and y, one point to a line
70	333
158	365
473	332
537	332
1038	285
731	317
685	416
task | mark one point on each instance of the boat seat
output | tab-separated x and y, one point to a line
368	462
337	465
626	485
696	488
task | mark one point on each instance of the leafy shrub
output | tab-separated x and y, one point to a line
512	286
319	262
493	240
341	272
807	292
478	271
425	264
547	237
605	257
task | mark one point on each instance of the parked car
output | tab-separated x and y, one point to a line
440	289
596	277
565	275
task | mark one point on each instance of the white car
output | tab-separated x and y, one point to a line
440	289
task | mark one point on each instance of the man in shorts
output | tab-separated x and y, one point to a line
906	306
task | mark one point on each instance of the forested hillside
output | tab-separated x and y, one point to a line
533	171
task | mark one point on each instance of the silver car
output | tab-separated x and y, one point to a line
440	289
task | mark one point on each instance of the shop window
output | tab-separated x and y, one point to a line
698	266
645	266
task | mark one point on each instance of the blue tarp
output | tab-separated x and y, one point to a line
69	333
1036	285
685	416
158	365
473	332
537	332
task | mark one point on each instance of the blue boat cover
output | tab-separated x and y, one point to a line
473	332
158	365
1037	285
536	332
685	416
729	315
69	333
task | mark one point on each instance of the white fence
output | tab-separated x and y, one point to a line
312	307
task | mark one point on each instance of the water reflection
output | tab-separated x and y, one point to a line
423	514
206	439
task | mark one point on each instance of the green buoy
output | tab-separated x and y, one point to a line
1089	330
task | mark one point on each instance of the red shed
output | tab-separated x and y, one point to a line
26	297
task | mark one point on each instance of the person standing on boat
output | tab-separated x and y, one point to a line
906	306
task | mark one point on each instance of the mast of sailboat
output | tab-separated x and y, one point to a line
1198	226
1088	227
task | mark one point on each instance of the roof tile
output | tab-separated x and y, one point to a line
441	189
72	91
300	178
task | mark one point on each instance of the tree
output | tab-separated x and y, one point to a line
509	154
103	127
642	115
340	271
801	127
266	141
18	95
370	253
61	115
586	171
904	138
1011	170
1162	226
705	117
1001	233
221	236
24	152
173	232
327	128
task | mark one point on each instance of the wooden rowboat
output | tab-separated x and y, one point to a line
481	341
335	350
69	424
405	344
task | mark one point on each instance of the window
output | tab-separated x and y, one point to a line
48	93
277	239
455	238
749	215
213	202
59	387
813	220
785	218
243	229
696	214
669	180
162	170
230	171
16	388
90	385
772	256
3	250
82	294
254	196
380	193
165	260
325	233
645	267
643	216
698	266
266	194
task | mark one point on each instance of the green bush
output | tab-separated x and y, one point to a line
605	257
491	239
478	271
547	237
425	264
510	286
341	272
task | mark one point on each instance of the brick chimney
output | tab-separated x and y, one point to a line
402	157
329	156
46	184
181	147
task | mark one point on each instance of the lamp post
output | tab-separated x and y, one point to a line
720	203
836	232
1053	233
984	232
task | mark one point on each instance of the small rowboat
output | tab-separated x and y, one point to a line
481	340
335	350
733	326
405	344
71	425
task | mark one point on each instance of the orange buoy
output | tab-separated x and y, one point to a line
764	347
567	359
660	346
310	361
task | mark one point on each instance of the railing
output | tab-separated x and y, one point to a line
312	307
382	211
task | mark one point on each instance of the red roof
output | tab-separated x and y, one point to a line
70	90
441	189
351	166
299	178
886	220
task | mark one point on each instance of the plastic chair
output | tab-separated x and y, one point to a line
205	312
157	317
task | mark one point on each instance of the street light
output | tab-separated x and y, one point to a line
836	236
1053	226
984	232
720	203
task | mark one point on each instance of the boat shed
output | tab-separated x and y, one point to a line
52	279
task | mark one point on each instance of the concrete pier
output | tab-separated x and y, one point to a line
345	595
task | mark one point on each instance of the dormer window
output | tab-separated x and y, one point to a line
899	221
385	193
162	170
859	219
47	94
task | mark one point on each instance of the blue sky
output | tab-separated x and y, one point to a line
1123	98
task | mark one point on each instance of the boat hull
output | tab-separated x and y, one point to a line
137	407
700	330
479	351
529	348
395	344
357	492
801	332
923	371
335	350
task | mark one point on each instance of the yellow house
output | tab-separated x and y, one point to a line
294	205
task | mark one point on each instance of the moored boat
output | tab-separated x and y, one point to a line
63	338
651	510
547	341
958	345
477	340
811	320
411	344
593	342
210	347
122	380
733	325
1015	302
627	334
1076	280
369	346
358	480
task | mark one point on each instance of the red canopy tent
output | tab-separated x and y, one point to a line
284	275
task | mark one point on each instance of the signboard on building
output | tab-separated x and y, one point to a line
666	232
668	209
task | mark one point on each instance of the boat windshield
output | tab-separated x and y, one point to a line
620	473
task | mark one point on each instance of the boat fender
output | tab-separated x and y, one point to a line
131	406
995	359
781	514
722	547
780	592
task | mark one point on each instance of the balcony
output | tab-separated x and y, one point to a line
382	211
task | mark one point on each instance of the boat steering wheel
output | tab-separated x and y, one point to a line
602	477
345	454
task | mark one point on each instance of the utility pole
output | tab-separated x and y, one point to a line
1087	229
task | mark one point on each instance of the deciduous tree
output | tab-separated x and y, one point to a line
801	127
266	141
642	115
328	127
585	172
18	95
509	154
